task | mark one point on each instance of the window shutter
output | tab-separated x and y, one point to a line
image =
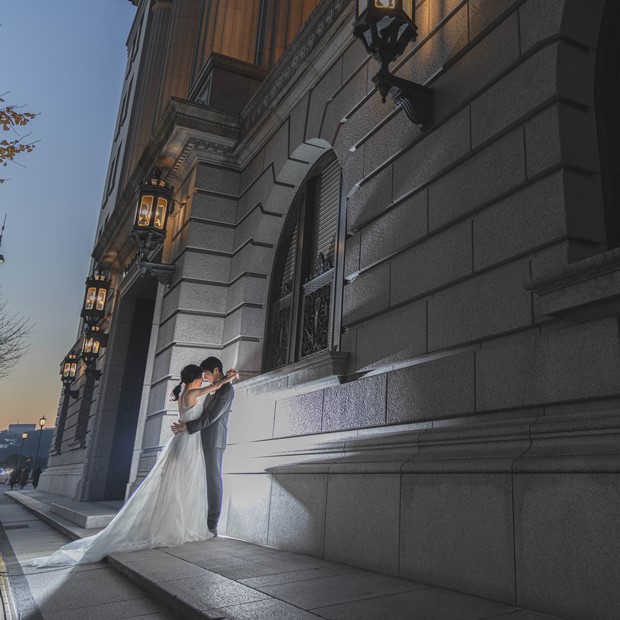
325	216
288	273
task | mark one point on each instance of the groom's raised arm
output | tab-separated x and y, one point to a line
218	407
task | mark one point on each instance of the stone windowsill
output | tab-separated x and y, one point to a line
582	291
313	372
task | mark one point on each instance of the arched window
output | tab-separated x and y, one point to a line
607	80
305	294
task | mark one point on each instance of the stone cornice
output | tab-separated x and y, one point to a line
580	442
581	291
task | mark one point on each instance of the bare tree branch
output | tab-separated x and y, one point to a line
14	330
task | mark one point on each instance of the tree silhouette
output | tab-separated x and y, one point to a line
14	330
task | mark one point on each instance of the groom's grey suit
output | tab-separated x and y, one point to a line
213	424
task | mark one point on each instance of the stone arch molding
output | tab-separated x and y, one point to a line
289	179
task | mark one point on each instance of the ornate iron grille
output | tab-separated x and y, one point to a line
281	331
316	315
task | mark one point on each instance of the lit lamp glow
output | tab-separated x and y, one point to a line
153	206
93	309
94	339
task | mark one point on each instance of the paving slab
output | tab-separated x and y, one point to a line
219	578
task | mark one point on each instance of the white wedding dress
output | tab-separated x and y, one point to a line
168	509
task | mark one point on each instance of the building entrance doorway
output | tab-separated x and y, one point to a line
137	316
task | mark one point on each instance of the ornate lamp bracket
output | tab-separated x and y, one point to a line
416	100
162	272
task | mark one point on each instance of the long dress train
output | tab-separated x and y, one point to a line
168	509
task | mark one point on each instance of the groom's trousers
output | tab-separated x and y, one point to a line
213	463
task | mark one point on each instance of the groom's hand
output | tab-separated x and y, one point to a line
178	427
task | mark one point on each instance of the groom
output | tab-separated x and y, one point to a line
213	424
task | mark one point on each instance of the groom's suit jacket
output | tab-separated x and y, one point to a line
214	419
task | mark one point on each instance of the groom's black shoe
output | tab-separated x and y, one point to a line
213	531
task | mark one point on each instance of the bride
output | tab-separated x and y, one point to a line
170	507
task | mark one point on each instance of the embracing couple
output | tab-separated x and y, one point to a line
181	499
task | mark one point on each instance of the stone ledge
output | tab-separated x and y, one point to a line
314	372
586	290
86	516
547	444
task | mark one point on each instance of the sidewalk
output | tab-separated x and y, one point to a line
230	578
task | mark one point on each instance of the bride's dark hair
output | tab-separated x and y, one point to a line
190	373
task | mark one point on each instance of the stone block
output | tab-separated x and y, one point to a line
259	225
208	236
365	118
297	123
299	415
217	179
354	56
440	10
247	289
396	134
276	150
320	94
421	163
259	191
561	133
483	13
430	55
211	207
252	417
248	506
251	258
401	225
343	101
540	20
196	265
584	207
524	220
252	170
191	327
372	196
297	514
479	180
368	294
394	336
355	405
412	394
456	533
244	321
432	264
571	363
352	254
201	297
493	303
371	502
482	64
567	541
512	98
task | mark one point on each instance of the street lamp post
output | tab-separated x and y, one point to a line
19	461
42	423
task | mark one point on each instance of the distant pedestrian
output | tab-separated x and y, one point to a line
23	478
36	475
14	477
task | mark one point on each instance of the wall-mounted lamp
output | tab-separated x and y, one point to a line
386	27
94	339
154	204
93	308
68	371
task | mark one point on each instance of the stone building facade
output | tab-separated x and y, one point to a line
426	320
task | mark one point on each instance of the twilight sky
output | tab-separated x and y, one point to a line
65	60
